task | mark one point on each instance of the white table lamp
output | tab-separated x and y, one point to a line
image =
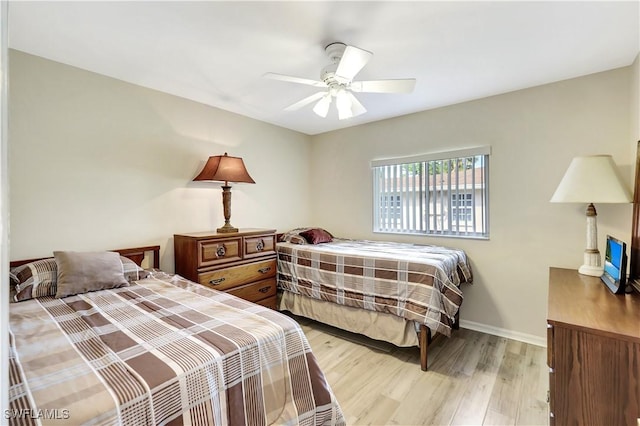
592	179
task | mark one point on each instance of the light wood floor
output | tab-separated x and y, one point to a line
473	379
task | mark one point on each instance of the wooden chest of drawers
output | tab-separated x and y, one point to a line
593	352
241	263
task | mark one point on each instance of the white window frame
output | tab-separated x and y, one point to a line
431	202
461	203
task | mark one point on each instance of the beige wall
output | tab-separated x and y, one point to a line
97	163
533	134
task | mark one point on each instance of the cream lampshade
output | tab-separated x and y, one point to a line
223	168
592	179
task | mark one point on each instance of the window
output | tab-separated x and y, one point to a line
392	204
436	194
462	206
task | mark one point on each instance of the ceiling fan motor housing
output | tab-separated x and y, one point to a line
335	51
328	74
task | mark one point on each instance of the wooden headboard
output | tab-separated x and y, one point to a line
137	254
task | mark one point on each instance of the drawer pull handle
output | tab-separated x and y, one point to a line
264	270
217	281
260	245
264	289
222	250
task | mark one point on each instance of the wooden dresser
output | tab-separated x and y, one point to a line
241	263
593	352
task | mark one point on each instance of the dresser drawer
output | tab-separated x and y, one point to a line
259	246
271	302
234	276
213	252
552	394
256	291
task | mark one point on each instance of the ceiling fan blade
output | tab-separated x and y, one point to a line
404	85
356	107
305	101
291	79
352	61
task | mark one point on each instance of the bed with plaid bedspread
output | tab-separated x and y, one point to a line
162	351
416	282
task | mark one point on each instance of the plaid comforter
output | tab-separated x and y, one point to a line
416	282
162	351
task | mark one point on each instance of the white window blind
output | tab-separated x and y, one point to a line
442	193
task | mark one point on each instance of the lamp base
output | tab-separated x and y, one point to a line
226	205
226	228
594	271
592	262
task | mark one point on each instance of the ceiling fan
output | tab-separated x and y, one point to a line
337	80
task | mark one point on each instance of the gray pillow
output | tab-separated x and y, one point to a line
80	272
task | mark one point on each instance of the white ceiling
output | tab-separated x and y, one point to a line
216	52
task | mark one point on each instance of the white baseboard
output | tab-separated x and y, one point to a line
503	332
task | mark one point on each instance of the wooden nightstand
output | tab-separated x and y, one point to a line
241	263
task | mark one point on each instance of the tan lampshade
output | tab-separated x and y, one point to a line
592	179
223	168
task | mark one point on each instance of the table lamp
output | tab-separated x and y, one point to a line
223	168
592	179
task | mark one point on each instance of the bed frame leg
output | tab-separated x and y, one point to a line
456	319
425	337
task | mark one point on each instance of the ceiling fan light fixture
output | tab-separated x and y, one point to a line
356	107
337	80
322	107
343	103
